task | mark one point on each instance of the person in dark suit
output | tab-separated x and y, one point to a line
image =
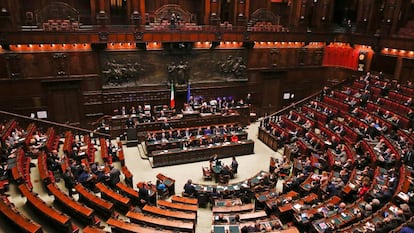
189	188
166	125
143	196
69	181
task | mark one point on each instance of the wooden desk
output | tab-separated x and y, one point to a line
152	191
161	222
246	184
227	202
225	229
106	193
175	143
121	226
268	139
184	200
177	206
289	206
252	216
309	213
273	202
93	229
82	212
103	207
117	123
233	209
169	182
59	219
24	224
180	215
128	176
131	193
339	220
195	154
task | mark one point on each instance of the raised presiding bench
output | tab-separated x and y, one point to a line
103	207
11	213
161	222
180	215
195	154
117	123
57	218
120	201
84	213
126	227
175	143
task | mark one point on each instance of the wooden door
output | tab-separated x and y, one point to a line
63	101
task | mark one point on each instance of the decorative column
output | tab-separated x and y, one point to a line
396	16
102	16
214	12
207	9
135	14
389	10
364	15
240	12
143	11
326	17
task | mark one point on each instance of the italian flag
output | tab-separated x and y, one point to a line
172	100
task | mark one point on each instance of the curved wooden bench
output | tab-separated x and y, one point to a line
177	206
161	222
121	226
180	215
103	207
11	213
120	201
93	229
129	192
184	200
58	218
82	212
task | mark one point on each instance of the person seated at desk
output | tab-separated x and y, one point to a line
220	219
87	180
207	131
224	130
129	123
252	228
166	125
177	134
225	171
151	137
133	111
123	111
187	133
189	189
161	186
143	196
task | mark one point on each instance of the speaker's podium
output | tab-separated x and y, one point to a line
132	139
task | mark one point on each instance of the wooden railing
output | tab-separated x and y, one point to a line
60	128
